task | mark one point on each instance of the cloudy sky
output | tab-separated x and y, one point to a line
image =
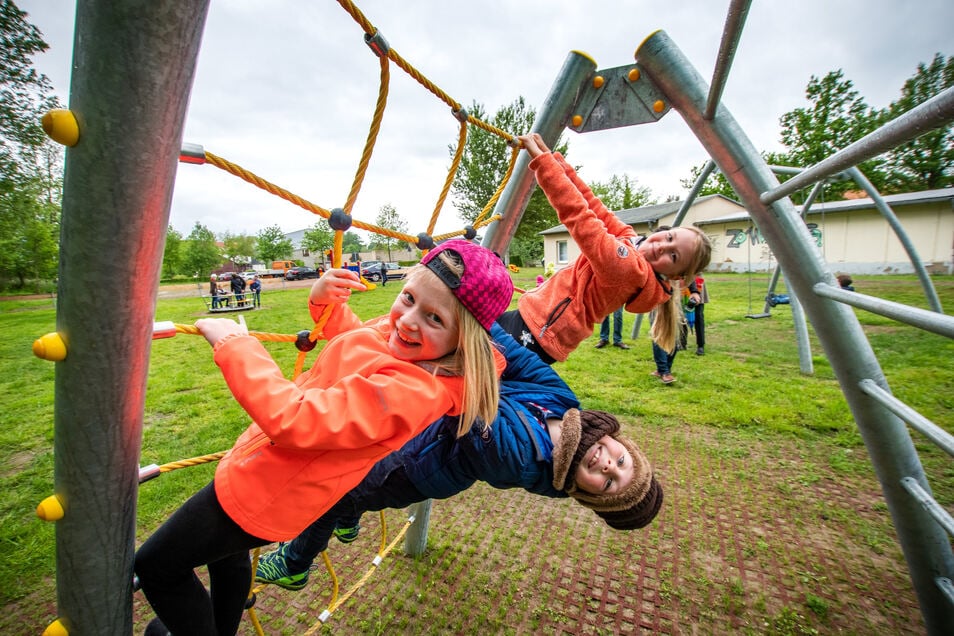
286	89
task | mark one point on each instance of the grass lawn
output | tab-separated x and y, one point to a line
744	405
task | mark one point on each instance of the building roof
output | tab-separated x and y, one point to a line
830	207
648	213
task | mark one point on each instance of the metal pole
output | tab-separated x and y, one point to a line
731	33
133	64
550	122
926	548
899	231
415	541
805	364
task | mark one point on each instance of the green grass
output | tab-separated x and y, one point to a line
746	390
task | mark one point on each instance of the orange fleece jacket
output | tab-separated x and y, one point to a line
313	439
609	273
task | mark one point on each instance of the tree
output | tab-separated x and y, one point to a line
201	254
273	245
389	219
172	253
925	163
482	168
622	193
30	164
320	238
240	248
351	243
837	118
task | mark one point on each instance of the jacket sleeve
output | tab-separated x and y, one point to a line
586	226
354	411
613	225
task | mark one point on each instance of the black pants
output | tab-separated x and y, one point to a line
700	325
198	533
386	486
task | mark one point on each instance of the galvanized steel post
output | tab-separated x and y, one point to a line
133	64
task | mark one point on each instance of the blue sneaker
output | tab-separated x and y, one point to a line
273	569
347	535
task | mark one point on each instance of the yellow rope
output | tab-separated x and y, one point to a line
194	461
458	155
367	575
255	180
372	135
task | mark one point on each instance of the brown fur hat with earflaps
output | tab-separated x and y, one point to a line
634	506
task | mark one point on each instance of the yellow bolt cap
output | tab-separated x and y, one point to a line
61	126
577	120
659	106
598	81
633	74
50	347
50	509
56	628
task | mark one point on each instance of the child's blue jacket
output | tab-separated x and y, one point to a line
515	452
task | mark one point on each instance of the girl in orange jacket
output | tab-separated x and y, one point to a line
374	386
616	268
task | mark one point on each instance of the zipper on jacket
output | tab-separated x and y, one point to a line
257	444
555	315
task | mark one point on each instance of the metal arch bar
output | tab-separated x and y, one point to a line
931	114
895	224
684	208
921	318
943	439
731	33
926	547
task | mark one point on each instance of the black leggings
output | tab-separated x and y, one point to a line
198	533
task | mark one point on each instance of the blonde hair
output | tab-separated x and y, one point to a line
473	359
669	316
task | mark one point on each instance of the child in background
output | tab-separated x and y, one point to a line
616	268
374	386
256	288
539	442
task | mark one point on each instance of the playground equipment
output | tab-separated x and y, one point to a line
115	209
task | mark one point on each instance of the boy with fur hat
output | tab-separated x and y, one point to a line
539	441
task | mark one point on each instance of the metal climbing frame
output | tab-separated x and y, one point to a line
922	525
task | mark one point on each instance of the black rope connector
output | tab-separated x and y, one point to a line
425	241
377	43
469	232
461	115
339	220
303	342
250	601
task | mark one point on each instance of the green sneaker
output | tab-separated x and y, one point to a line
347	535
273	569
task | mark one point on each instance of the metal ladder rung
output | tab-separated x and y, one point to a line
930	504
927	320
943	439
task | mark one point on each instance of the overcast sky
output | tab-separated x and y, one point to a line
286	89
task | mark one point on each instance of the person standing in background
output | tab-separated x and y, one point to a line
617	331
700	295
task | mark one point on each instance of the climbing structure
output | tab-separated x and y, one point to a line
117	191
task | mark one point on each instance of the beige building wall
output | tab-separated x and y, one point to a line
852	235
858	241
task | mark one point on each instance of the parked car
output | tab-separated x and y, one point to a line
300	273
248	275
369	269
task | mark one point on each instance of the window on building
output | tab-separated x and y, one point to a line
562	252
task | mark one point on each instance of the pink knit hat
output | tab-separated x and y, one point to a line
485	288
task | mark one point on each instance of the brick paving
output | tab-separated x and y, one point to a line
752	539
